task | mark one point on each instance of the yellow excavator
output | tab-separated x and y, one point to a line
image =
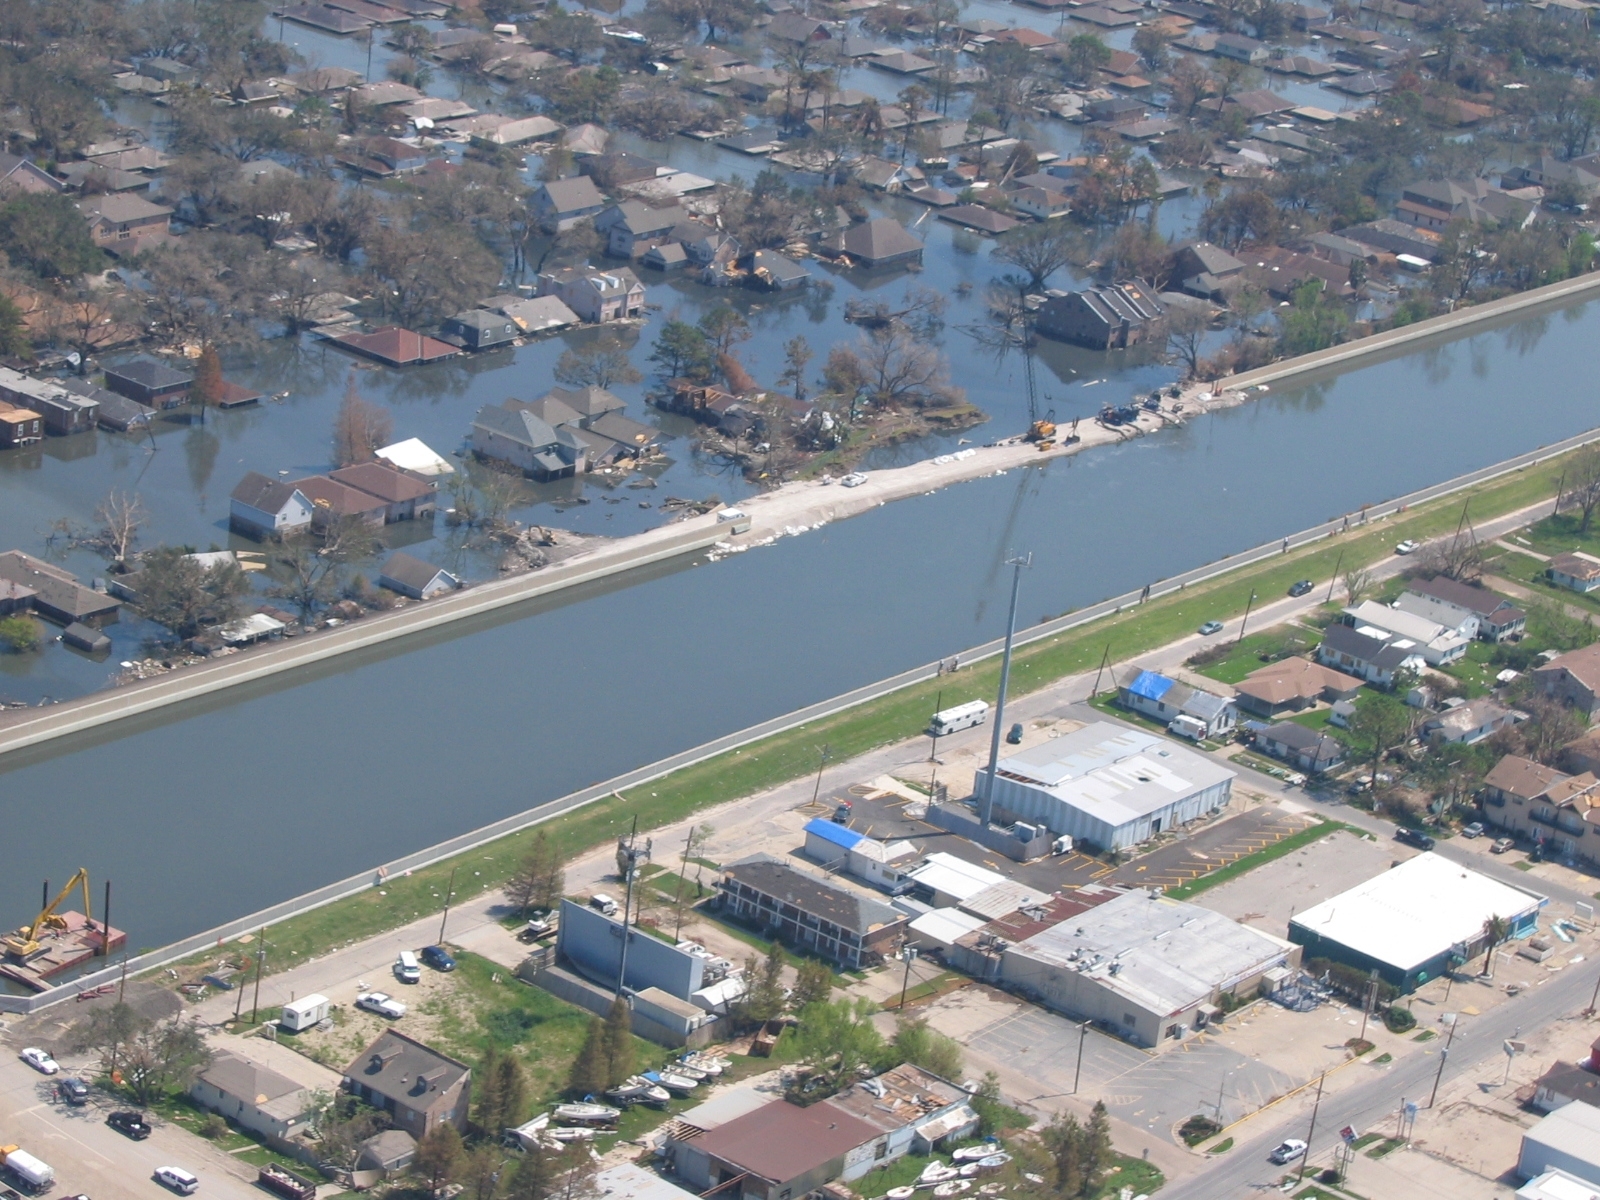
24	943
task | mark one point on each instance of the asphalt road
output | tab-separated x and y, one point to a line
1374	1104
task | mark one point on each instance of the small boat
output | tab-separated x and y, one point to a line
571	1133
672	1081
697	1073
953	1187
900	1193
586	1114
974	1153
992	1189
638	1090
937	1172
994	1162
712	1066
968	1170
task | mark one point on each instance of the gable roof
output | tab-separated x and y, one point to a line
573	195
1298	737
337	498
1383	653
1583	665
412	572
269	495
1518	776
256	1085
782	1141
1478	600
1149	685
589	401
121	207
385	482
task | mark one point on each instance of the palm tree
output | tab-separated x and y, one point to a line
1495	929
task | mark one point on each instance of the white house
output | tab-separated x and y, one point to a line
1369	653
596	295
1578	571
1438	644
258	1097
265	507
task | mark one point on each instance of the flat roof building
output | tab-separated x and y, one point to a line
1409	921
1110	785
1142	964
809	911
1567	1140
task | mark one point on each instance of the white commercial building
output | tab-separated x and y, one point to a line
1144	965
1110	785
1558	1185
1410	921
1567	1140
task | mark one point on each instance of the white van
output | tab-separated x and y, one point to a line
304	1012
1185	726
177	1179
406	968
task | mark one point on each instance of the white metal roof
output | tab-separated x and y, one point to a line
1415	911
1572	1130
414	455
1557	1185
945	925
1004	897
628	1181
951	876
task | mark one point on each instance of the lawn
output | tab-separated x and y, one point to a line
1258	649
1129	1172
1559	535
888	719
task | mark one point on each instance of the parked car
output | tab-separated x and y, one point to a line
1475	830
603	904
854	479
130	1124
74	1091
406	968
1210	627
1288	1151
1407	547
1413	837
221	982
177	1179
1501	845
1301	587
1014	735
40	1061
381	1003
438	958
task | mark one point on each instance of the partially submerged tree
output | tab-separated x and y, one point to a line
360	428
1039	250
178	592
121	515
602	363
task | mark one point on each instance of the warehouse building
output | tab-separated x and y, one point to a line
1409	922
1109	785
1143	965
1567	1140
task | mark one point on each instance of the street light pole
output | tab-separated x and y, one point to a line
449	894
1016	565
1077	1074
817	790
1246	619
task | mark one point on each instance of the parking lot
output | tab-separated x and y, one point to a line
1211	847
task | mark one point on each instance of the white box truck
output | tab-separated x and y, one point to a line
962	716
34	1174
304	1012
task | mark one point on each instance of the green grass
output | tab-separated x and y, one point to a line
1246	656
1388	1145
1251	861
1365	1140
1221	1147
1145	1178
1317	719
1427	1035
1525	865
1385	1057
889	719
902	1172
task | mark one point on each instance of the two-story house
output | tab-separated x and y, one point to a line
810	912
1473	612
263	508
1557	811
632	227
514	434
1369	653
124	224
595	295
417	1086
562	203
1573	678
1106	317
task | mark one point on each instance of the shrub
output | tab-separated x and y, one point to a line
1399	1020
1197	1129
213	1127
19	634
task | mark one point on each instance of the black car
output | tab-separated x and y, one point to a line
1014	735
73	1090
130	1124
438	958
1301	587
1414	837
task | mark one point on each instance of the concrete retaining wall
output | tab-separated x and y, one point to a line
565	985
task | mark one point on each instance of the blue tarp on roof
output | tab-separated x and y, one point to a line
832	831
1150	685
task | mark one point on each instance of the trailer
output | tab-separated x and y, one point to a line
304	1012
962	716
33	1174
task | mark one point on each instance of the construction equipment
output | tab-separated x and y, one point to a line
1042	431
25	943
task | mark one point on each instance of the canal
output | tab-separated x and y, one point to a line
212	814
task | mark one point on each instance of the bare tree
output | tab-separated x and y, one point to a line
1583	485
1186	332
121	514
1357	583
359	428
599	363
1041	250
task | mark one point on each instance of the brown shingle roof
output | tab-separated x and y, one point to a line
1518	776
383	481
782	1141
1583	665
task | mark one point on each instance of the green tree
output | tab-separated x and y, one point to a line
19	634
176	591
1039	250
1096	1148
511	1084
682	351
439	1157
536	1175
764	998
306	566
48	235
1495	930
916	1043
724	328
540	877
1380	723
14	341
797	353
589	1074
1313	321
1085	55
617	1043
837	1038
1063	1139
813	983
488	1105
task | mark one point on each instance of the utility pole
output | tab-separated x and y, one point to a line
1444	1057
1246	621
1561	486
1104	658
628	861
1077	1074
938	707
688	845
815	791
1366	1006
1221	1083
1312	1132
261	962
105	924
1016	565
449	894
909	954
1589	1012
1337	563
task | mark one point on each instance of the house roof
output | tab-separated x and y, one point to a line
831	831
589	401
120	207
268	495
538	313
901	1096
251	1082
1577	565
1301	740
1572	1132
639	218
385	482
812	894
879	239
792	27
573	194
148	373
1583	665
1149	685
1518	776
782	1141
1478	600
1572	1081
412	572
1291	679
405	1070
415	456
337	498
1382	653
396	346
518	424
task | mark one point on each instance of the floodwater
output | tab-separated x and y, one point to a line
204	816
